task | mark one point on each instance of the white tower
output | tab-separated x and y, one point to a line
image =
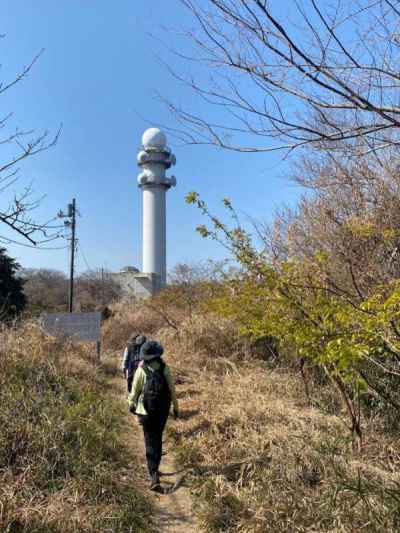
155	158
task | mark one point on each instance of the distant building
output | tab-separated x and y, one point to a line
135	283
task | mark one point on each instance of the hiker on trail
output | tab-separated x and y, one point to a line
153	391
131	358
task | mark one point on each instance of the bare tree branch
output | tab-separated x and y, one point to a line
292	85
15	210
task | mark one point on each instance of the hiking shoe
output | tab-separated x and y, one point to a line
155	481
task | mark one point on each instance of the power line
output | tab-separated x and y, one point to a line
6	240
84	256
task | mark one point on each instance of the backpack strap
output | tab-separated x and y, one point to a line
130	347
161	363
147	369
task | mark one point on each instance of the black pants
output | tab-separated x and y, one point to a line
153	427
129	379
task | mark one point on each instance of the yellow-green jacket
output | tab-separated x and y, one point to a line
135	398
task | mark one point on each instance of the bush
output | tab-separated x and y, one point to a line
62	464
129	317
262	460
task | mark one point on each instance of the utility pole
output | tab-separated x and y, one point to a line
71	223
72	216
102	285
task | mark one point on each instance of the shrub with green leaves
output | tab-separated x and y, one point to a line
355	340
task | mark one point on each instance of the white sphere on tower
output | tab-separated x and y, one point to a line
154	138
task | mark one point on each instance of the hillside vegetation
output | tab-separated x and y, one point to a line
64	466
266	440
287	366
291	361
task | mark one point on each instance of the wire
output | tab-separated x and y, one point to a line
6	240
84	256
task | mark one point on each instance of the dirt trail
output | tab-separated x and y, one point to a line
173	509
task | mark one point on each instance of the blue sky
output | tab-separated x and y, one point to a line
98	76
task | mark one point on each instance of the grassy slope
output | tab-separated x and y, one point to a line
63	465
263	460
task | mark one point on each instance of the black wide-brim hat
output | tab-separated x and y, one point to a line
151	350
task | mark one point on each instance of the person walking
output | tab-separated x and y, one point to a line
153	391
130	359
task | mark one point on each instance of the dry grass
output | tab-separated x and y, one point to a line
63	467
263	460
129	318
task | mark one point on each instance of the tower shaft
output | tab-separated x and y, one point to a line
154	159
154	232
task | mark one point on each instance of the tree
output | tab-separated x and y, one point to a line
310	290
18	145
189	284
328	79
96	289
45	290
12	298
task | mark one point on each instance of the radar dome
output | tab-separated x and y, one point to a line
154	138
